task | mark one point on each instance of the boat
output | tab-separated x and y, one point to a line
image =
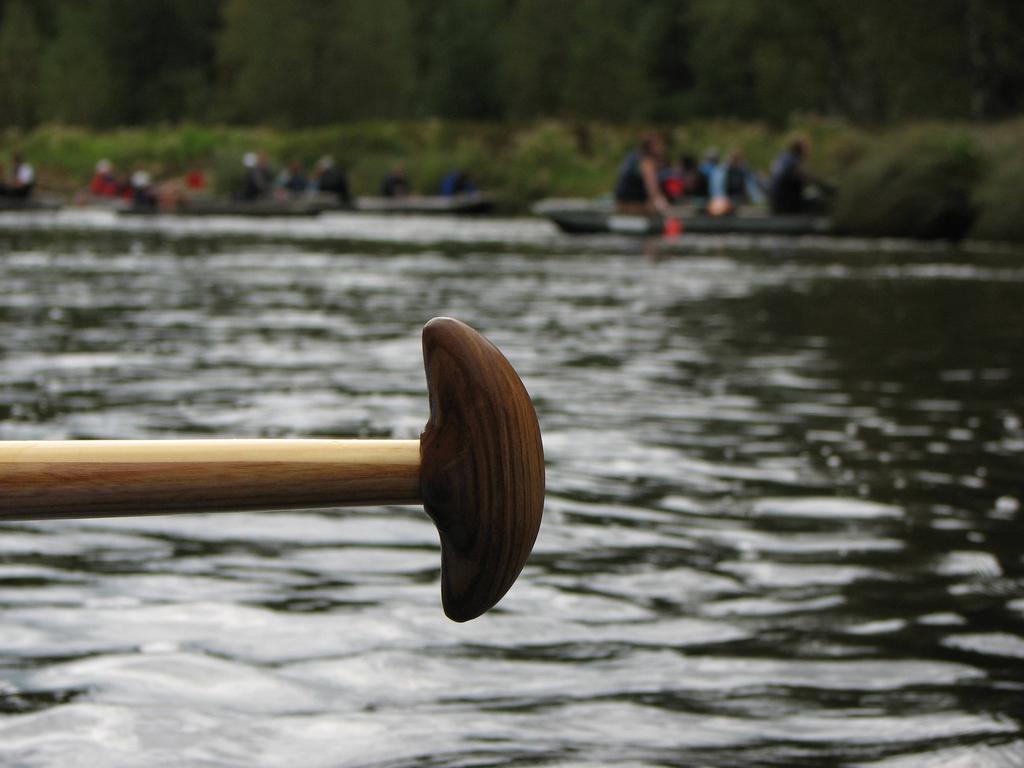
211	206
314	205
29	204
467	202
585	217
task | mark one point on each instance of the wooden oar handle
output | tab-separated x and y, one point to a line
109	478
478	469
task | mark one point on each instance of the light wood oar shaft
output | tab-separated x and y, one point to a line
110	478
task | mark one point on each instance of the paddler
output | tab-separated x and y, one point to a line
328	178
104	182
790	180
396	183
258	180
637	188
22	180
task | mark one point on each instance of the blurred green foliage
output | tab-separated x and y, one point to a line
998	197
913	183
301	63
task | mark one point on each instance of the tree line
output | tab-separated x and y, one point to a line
305	63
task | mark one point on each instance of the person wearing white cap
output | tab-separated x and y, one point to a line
330	179
143	194
22	181
258	180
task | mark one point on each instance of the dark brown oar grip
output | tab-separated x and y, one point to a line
481	467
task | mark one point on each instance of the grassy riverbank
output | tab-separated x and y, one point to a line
922	180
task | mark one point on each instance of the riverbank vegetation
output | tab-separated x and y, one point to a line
301	63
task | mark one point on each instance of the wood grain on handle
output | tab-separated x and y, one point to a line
110	478
482	467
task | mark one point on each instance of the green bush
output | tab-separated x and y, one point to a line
999	196
915	183
226	170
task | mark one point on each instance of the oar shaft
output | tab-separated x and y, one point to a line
112	478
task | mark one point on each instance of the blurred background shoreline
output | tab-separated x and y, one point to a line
911	109
890	181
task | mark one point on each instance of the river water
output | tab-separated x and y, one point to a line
783	522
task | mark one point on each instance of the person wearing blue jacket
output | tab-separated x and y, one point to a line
457	183
735	180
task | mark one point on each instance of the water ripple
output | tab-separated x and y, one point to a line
782	527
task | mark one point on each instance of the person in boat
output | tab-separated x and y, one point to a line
457	183
733	183
786	189
143	193
293	180
22	181
705	171
104	182
395	183
264	172
329	179
791	182
257	182
672	182
637	189
691	174
195	180
680	181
